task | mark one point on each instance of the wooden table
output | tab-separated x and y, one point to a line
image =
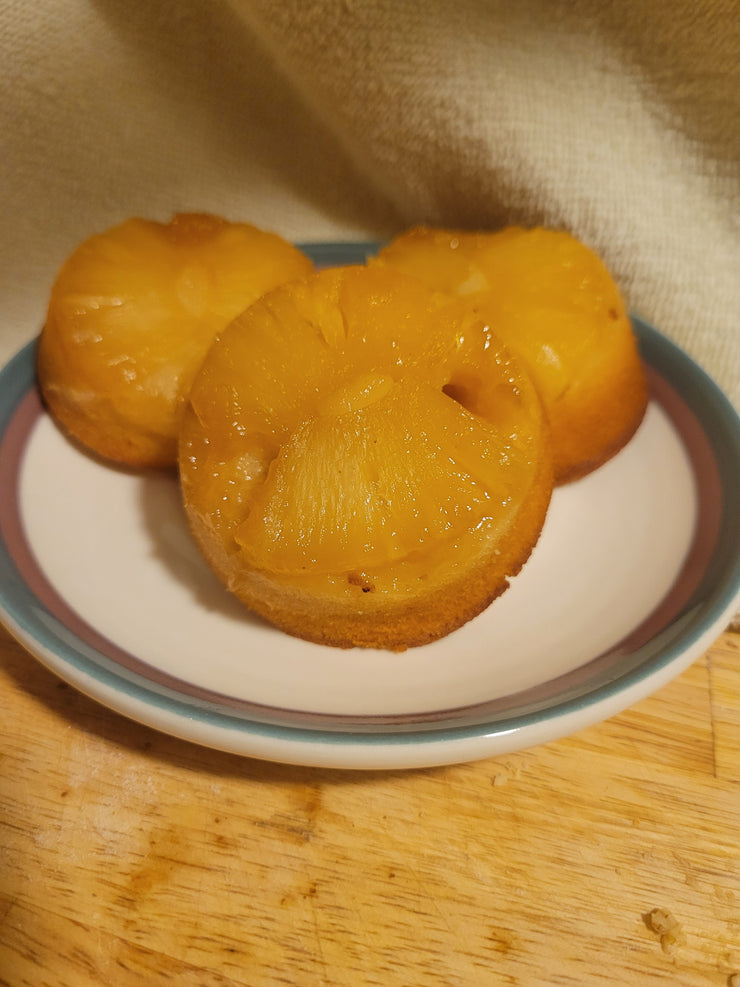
128	857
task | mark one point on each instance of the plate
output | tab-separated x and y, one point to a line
636	573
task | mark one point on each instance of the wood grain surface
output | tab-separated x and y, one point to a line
128	857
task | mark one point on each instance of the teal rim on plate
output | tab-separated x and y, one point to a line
682	626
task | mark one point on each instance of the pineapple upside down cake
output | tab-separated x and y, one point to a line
366	453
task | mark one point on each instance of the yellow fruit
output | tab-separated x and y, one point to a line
557	308
131	315
362	462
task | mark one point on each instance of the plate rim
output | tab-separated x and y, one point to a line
397	745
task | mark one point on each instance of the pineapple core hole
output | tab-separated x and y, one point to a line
499	404
465	390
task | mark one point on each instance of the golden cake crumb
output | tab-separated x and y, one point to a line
660	920
667	927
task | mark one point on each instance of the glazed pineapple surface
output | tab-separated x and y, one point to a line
362	461
556	307
131	315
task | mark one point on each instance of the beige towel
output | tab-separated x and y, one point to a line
332	119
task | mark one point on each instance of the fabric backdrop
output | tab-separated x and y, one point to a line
333	119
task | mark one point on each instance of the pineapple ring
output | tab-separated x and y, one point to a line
362	462
556	307
132	314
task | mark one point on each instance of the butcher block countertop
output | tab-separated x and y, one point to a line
128	857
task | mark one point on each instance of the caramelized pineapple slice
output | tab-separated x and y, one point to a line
131	315
362	461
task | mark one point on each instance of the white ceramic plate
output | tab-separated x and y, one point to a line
636	573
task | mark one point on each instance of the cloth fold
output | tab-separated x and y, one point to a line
339	119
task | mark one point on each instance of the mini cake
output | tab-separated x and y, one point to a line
131	315
362	461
